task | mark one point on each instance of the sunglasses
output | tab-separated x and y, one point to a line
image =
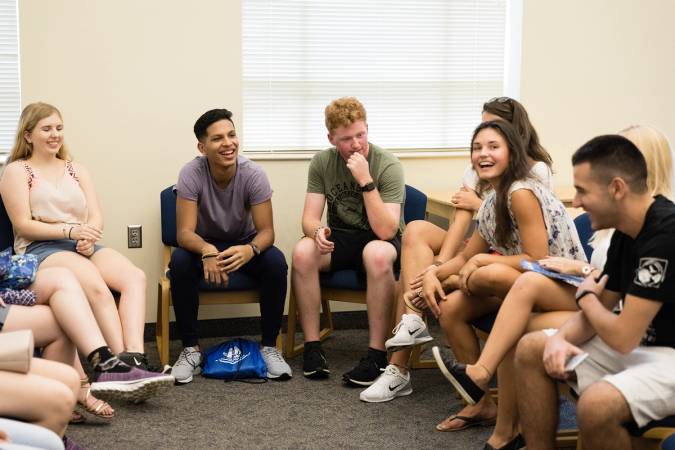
500	100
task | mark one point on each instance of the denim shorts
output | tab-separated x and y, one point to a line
43	249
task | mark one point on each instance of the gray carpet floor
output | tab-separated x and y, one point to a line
296	414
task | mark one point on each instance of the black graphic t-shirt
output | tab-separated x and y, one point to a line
645	267
329	175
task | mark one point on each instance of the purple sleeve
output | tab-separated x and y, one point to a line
189	181
259	189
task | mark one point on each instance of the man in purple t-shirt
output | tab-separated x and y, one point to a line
224	225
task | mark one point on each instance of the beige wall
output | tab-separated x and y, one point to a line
132	76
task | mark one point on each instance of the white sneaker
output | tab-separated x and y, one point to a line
277	368
391	384
411	330
187	365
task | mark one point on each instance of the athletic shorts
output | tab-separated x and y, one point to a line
348	252
43	249
644	377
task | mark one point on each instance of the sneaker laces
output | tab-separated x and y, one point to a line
399	325
392	370
272	353
187	358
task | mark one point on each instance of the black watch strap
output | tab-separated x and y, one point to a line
583	294
368	187
256	250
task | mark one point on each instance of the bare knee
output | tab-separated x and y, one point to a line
453	309
98	293
530	350
601	405
137	277
305	256
414	233
57	406
378	258
493	279
53	279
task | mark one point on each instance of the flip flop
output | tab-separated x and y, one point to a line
468	422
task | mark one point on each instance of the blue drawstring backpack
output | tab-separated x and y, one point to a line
236	359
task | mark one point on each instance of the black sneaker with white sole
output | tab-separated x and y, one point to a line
314	363
456	374
368	369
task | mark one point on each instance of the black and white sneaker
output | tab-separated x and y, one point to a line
314	363
456	374
368	369
411	330
391	384
138	360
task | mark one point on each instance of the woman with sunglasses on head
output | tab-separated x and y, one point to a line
521	219
425	246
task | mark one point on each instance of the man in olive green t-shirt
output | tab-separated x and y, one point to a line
364	188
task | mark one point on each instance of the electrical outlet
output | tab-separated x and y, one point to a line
134	236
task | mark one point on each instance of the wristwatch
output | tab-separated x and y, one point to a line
368	187
256	250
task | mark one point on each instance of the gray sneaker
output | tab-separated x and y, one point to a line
277	368
187	365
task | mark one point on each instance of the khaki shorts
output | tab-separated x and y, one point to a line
645	377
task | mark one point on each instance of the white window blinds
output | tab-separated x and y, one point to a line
10	91
422	69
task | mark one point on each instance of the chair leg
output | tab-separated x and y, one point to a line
326	319
162	326
292	350
416	361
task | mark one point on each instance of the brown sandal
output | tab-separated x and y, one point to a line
92	407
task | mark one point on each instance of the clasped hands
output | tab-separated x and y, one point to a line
218	264
85	236
427	289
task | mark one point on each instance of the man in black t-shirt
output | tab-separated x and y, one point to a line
628	374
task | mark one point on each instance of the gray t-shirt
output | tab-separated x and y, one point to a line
224	214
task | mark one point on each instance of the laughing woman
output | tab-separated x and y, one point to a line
56	217
520	219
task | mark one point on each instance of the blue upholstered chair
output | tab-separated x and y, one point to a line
241	289
346	285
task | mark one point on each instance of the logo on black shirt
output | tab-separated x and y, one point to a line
651	272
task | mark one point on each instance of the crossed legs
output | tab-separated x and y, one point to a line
123	329
420	243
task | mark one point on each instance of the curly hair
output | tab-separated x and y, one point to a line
30	116
342	112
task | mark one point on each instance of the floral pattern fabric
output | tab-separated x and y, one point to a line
563	239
